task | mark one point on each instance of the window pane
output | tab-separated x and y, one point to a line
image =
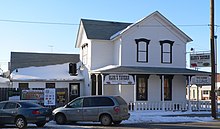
166	47
167	90
141	89
166	57
142	56
142	46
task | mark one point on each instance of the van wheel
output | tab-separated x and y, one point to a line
106	120
60	119
20	122
117	122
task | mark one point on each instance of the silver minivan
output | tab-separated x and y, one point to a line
105	109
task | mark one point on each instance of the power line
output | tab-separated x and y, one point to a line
74	24
35	22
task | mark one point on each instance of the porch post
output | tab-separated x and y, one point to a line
135	92
189	102
163	104
97	83
102	84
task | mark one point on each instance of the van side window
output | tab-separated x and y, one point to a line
97	101
77	103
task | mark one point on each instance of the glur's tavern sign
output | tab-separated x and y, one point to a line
114	79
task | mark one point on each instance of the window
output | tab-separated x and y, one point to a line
23	85
50	85
97	101
205	92
194	94
76	103
142	87
166	51
168	87
142	49
85	53
10	105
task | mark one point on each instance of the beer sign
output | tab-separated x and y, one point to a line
200	60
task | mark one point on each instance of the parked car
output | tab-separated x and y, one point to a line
21	113
104	109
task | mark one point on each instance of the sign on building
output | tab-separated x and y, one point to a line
201	80
200	60
114	79
49	97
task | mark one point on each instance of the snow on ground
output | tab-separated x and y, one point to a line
160	116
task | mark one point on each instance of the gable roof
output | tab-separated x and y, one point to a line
102	30
108	30
26	59
165	23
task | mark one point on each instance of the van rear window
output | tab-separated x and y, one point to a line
121	100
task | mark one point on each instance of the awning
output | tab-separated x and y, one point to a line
150	70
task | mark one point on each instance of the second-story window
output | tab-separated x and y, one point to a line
142	49
166	51
85	53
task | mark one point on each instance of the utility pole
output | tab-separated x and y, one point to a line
212	43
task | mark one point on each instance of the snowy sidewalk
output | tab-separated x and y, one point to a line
160	116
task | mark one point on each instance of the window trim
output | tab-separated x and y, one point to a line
162	42
85	53
139	51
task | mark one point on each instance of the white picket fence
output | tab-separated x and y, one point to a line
171	106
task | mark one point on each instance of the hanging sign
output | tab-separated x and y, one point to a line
114	79
200	60
201	80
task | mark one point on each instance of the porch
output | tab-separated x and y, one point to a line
170	106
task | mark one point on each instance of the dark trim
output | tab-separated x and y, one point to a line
99	84
138	51
50	85
23	85
162	42
93	84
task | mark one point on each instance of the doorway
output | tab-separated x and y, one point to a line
74	91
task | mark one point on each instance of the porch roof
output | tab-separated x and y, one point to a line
152	70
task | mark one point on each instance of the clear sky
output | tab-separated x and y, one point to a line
17	35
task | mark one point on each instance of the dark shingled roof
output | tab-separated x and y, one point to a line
154	70
102	30
25	59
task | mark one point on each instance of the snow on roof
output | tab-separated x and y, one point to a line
58	72
106	68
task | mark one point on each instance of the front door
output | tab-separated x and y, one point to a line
74	91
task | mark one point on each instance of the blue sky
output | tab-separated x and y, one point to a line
191	16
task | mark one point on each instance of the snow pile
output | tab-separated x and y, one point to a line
160	116
50	72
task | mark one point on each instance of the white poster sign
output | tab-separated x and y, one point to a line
200	60
49	97
114	79
201	80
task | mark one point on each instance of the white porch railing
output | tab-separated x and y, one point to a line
171	106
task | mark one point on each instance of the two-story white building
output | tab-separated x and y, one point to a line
144	62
